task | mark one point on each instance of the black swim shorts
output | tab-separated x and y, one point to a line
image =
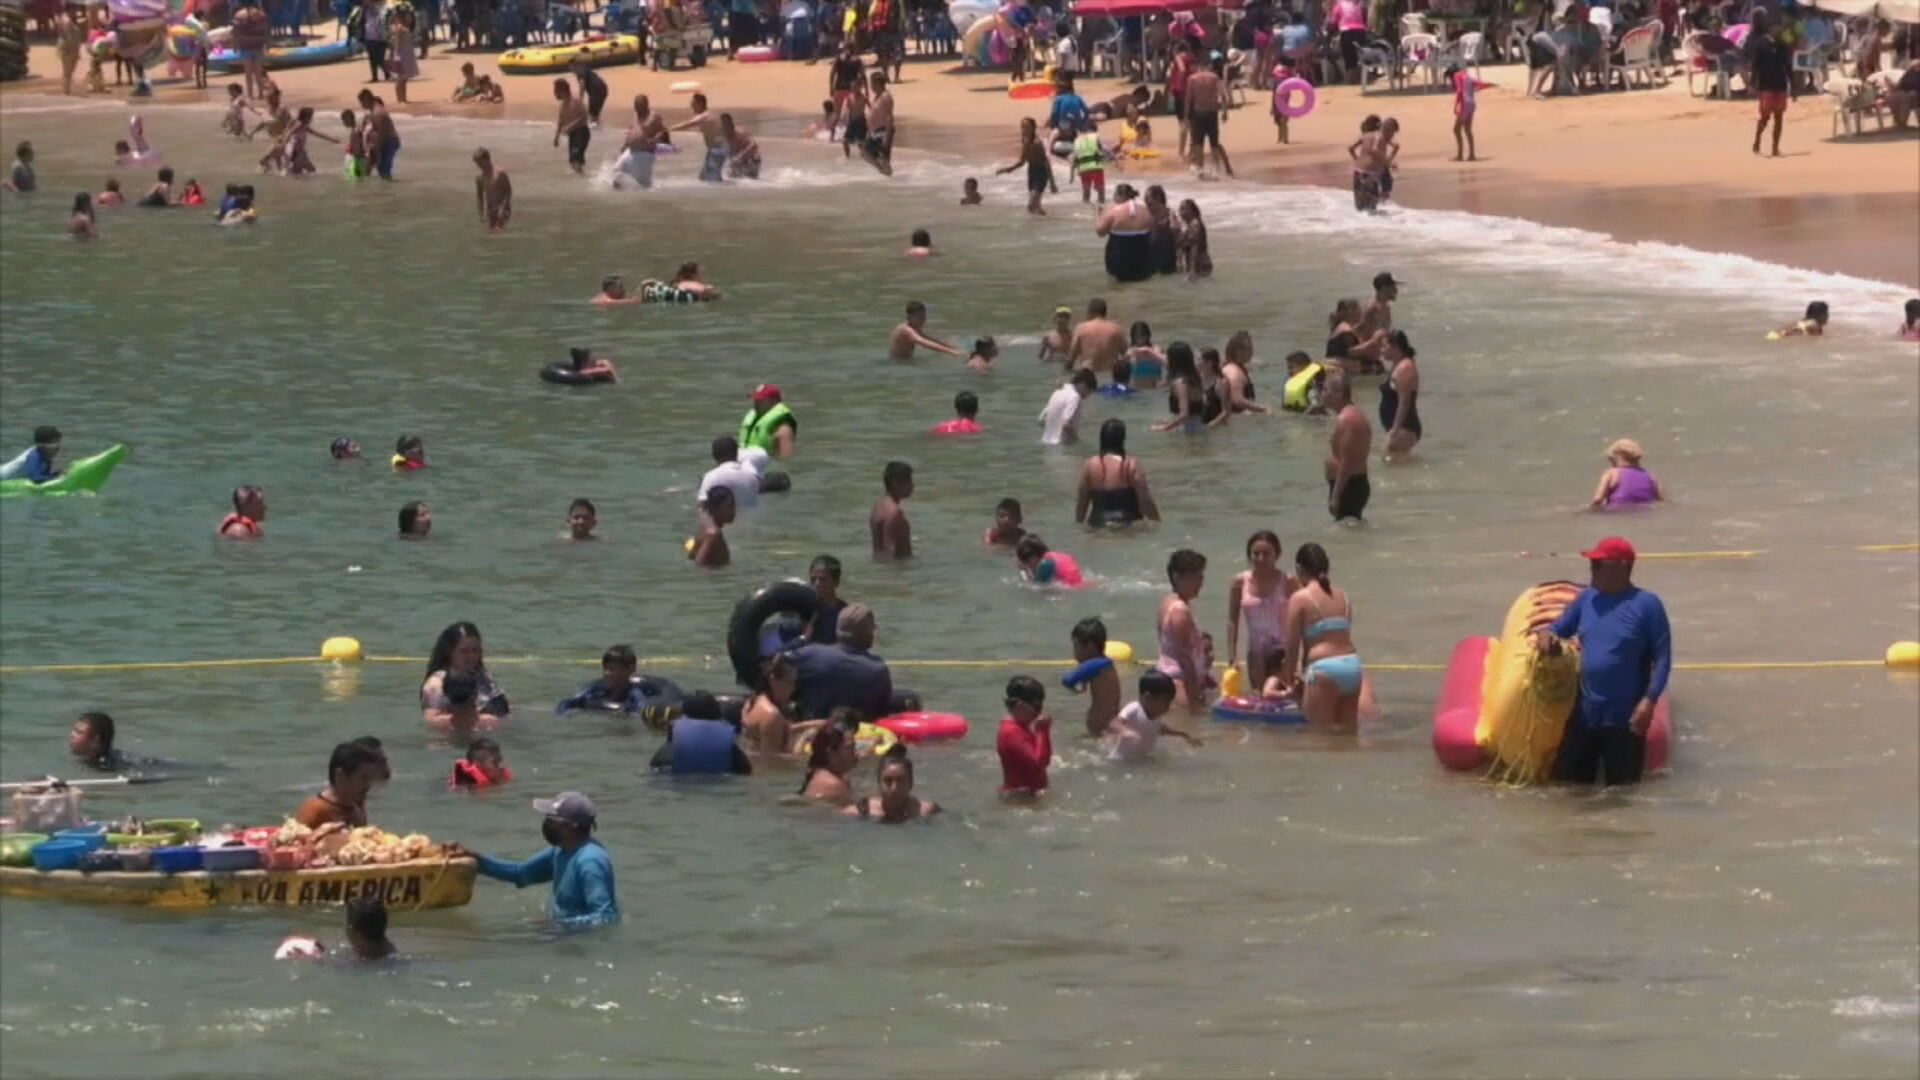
1353	498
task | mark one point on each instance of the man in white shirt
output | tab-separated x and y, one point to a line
730	472
1060	420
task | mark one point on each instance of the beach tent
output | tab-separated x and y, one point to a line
1904	11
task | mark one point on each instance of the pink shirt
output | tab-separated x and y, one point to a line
1349	15
961	426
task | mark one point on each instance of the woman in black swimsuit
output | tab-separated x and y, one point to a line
1400	394
1163	239
1236	380
1186	394
896	802
1113	486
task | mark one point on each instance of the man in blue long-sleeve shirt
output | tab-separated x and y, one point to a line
1626	655
577	864
37	463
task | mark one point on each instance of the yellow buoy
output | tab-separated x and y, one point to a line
1904	654
344	650
688	546
1233	683
1119	652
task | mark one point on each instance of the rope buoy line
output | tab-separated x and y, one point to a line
1903	655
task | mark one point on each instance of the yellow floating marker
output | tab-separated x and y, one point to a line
344	650
1119	652
688	546
1904	654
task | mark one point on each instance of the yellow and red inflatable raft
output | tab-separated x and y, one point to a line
1505	704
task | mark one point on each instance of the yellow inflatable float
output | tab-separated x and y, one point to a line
551	59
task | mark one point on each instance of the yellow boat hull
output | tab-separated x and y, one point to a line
409	886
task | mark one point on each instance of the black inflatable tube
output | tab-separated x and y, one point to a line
790	597
775	482
564	375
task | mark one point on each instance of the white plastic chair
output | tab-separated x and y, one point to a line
1811	62
1413	22
1701	65
1469	48
1106	56
1421	52
1636	57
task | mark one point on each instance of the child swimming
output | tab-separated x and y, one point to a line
985	351
481	767
138	153
1040	565
582	517
966	407
1139	726
1103	688
1006	529
1813	324
409	453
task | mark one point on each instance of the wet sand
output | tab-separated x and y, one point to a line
1658	165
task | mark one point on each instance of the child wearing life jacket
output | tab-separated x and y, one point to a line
409	453
482	767
1042	566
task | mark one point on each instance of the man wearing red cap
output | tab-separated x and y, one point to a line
1626	654
769	425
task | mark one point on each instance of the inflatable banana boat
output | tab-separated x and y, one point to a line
1505	704
82	477
547	60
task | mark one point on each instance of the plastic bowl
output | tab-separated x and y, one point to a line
226	860
184	829
176	860
16	849
59	854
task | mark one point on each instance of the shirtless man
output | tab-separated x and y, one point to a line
878	150
381	138
644	139
1377	317
911	335
713	169
892	533
572	123
1347	449
1206	111
1097	342
717	511
613	292
492	192
1370	162
1127	225
1054	345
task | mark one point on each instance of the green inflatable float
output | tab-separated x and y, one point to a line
82	477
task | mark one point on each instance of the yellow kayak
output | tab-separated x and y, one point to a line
549	59
408	886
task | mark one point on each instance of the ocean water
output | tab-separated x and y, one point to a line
1272	903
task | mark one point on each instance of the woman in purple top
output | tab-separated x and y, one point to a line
1625	483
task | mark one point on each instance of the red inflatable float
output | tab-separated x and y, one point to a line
918	727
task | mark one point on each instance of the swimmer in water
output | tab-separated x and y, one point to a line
1278	688
344	449
891	532
896	802
920	245
587	365
1258	595
191	193
1910	328
249	510
911	335
1626	482
237	206
161	193
1006	530
1103	689
493	191
481	766
616	690
81	224
1121	384
1140	725
970	192
294	144
1149	363
1025	742
687	280
416	521
367	929
138	153
1058	340
1813	324
613	292
110	195
21	180
822	129
831	760
1033	155
713	167
743	154
409	453
985	351
582	517
1400	397
716	513
1097	342
1182	650
966	410
1041	565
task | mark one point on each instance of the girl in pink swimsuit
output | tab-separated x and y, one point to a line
1258	594
1183	647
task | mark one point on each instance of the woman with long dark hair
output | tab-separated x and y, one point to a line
1113	484
458	651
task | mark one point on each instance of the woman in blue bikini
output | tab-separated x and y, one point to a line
1330	685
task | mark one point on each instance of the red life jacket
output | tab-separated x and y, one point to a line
250	526
467	774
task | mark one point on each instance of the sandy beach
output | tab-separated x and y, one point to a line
1642	166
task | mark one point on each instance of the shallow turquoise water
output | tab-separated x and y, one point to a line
1270	903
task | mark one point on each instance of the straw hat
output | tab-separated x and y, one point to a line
1625	448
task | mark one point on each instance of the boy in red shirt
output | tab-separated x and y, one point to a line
1026	739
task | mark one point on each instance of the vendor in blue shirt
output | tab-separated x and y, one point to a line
577	864
1069	116
1626	655
37	463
